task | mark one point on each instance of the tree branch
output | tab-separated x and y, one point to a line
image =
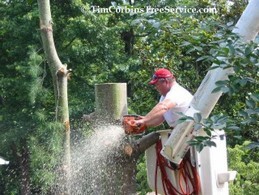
139	146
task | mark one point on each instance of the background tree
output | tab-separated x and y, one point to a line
60	75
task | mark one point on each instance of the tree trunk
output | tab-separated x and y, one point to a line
111	102
131	152
24	162
120	166
60	75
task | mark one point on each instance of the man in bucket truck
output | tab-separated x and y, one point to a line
174	99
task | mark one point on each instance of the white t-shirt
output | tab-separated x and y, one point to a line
182	98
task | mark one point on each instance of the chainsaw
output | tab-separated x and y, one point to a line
131	127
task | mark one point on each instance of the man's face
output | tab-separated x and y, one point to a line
162	86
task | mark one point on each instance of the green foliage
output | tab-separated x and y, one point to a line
46	153
242	87
245	162
201	141
240	118
93	46
142	185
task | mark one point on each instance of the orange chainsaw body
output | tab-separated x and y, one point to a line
131	127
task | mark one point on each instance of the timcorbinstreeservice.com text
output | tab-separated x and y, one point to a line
149	9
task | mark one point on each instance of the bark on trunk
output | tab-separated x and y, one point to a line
24	162
132	151
22	159
111	102
139	146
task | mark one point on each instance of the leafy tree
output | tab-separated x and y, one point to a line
242	159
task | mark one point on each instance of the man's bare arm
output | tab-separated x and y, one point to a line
155	116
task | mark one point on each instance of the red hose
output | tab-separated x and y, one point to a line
187	173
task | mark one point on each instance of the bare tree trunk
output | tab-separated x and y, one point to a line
111	109
24	162
60	75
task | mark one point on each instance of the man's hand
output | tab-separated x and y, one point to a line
140	122
134	126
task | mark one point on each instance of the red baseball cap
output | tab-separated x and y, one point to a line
160	73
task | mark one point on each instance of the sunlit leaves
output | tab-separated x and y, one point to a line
244	160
